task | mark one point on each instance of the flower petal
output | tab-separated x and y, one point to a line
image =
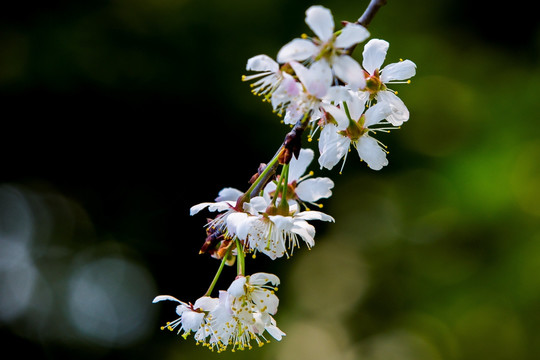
237	288
298	167
314	215
400	113
275	332
349	71
374	54
206	303
191	320
229	194
297	49
402	70
351	34
166	297
317	79
332	147
370	151
311	190
377	113
321	21
339	115
262	63
262	278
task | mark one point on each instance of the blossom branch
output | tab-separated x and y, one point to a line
370	12
292	143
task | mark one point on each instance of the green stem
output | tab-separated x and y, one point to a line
240	259
216	277
285	175
263	176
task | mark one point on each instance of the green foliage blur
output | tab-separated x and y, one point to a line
119	115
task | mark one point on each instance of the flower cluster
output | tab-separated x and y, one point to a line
316	80
241	315
315	84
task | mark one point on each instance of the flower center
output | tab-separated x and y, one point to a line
373	82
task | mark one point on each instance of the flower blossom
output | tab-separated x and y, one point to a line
334	144
377	79
276	235
192	318
329	47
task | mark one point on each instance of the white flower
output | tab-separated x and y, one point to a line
269	76
334	144
192	318
244	313
304	189
278	235
328	46
231	217
377	79
313	93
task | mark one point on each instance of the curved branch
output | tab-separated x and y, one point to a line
370	12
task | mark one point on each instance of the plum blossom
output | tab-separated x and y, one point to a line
327	46
334	144
192	318
244	312
277	235
378	78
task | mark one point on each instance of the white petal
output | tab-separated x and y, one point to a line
321	21
206	303
275	332
298	167
349	71
332	147
402	70
339	116
337	94
306	232
297	49
311	190
374	54
165	297
221	205
357	103
370	151
237	289
196	208
192	320
314	215
377	113
400	113
317	79
351	34
281	223
229	194
262	63
235	221
262	278
256	204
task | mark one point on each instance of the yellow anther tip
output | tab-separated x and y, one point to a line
304	36
320	206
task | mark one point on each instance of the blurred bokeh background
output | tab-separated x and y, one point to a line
119	115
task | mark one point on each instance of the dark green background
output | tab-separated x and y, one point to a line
117	116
